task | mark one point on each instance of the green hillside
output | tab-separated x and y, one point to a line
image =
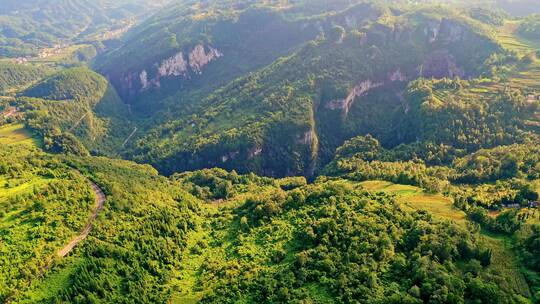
13	77
205	46
289	117
239	151
371	69
74	84
76	110
530	28
255	239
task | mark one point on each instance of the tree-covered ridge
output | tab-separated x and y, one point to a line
141	232
331	241
437	166
283	246
13	76
455	114
70	84
306	93
75	110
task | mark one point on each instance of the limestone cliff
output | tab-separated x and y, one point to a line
183	65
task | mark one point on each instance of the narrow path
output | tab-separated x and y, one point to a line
100	201
129	137
78	122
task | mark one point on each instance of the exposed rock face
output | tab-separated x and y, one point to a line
451	31
359	90
128	81
144	79
198	58
181	65
446	31
174	66
309	137
432	31
229	156
255	151
362	89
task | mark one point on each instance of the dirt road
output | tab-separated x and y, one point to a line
100	201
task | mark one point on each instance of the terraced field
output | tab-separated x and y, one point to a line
525	77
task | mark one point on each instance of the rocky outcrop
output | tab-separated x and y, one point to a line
182	65
359	90
174	66
432	31
254	152
451	31
144	80
397	75
308	137
230	156
362	89
198	58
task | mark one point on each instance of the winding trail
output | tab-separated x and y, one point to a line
100	199
78	122
100	202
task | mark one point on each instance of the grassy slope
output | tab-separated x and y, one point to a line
16	134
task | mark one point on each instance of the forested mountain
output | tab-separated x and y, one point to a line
316	93
26	27
297	151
